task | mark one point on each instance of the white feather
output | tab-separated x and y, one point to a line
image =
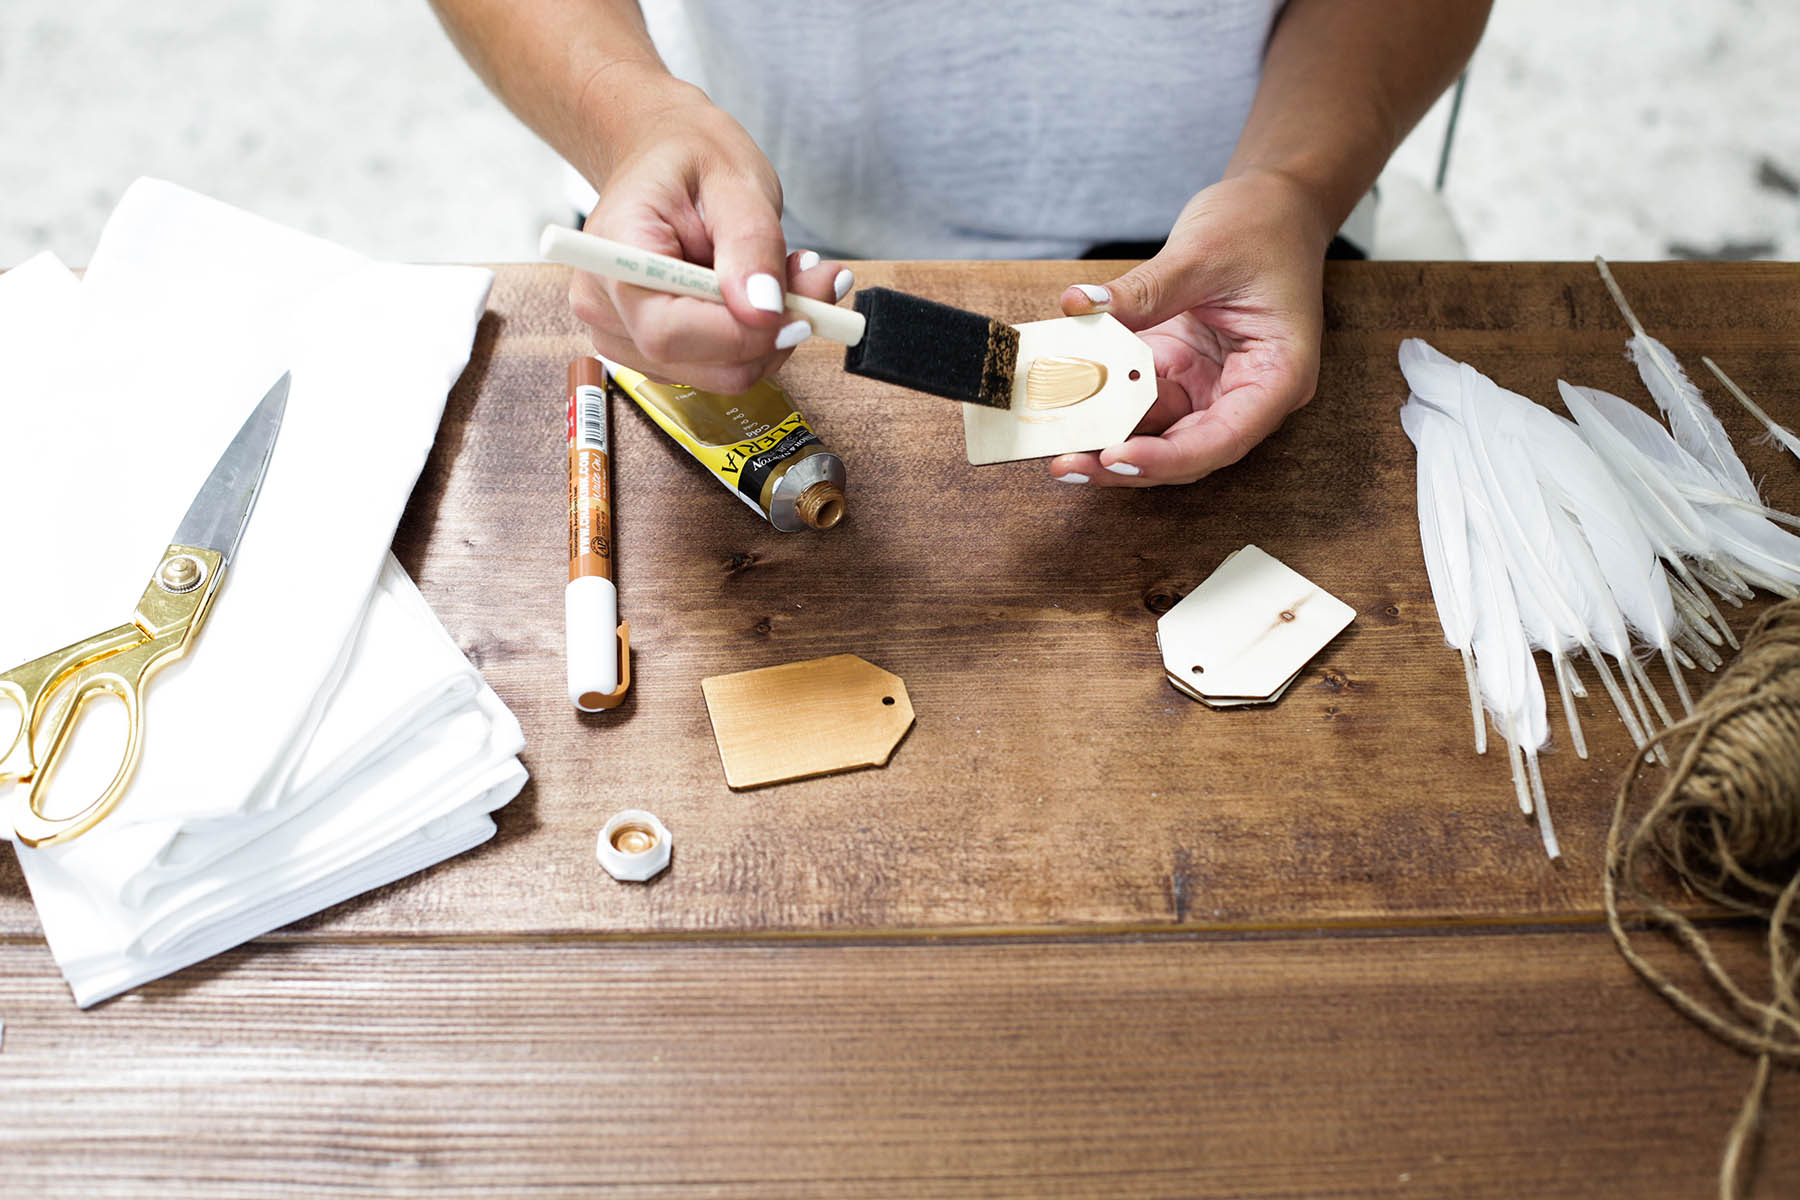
1574	476
1497	427
1443	529
1747	539
1510	687
1673	523
1690	418
1507	677
1781	435
1444	538
1606	424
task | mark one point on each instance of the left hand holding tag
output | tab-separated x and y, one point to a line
1232	309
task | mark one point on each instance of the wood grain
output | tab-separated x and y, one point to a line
1054	780
1527	1064
1303	951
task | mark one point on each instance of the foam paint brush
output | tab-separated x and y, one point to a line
891	336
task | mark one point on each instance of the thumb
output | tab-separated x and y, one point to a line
1148	294
749	251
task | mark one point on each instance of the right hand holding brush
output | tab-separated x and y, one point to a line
694	186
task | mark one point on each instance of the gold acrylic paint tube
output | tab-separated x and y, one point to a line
757	444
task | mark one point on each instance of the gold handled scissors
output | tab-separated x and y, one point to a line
51	691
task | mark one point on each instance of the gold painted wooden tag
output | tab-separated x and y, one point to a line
1082	383
799	719
1055	382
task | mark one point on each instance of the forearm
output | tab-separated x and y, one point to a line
582	73
1343	82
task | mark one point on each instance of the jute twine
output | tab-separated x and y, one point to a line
1726	823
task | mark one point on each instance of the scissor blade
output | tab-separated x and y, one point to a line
216	519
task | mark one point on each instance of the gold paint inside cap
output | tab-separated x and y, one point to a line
633	839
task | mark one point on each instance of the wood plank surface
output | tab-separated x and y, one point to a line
1053	779
1082	936
1455	1065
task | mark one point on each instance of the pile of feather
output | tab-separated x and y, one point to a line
1583	539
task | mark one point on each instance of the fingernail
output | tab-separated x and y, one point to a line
1094	292
1123	468
842	283
808	259
764	292
792	334
1072	477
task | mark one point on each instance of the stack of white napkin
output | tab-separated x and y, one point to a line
324	736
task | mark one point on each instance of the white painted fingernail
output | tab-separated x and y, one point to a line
1094	292
1072	477
792	334
764	292
842	283
809	259
1123	468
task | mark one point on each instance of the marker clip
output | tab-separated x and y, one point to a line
616	697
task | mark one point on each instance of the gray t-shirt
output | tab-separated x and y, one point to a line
967	129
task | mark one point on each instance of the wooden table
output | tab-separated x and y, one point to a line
1081	936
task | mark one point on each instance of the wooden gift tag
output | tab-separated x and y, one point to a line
1082	383
806	718
1244	634
1230	701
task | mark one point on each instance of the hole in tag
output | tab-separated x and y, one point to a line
887	699
90	757
1198	669
1135	375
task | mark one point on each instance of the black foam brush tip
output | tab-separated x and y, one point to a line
931	347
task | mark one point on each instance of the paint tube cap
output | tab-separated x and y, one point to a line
634	846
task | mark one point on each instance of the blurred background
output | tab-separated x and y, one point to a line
1638	129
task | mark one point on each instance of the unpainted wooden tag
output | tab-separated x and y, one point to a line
1231	701
806	718
1096	381
1248	630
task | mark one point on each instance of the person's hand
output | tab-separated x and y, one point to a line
1232	308
695	186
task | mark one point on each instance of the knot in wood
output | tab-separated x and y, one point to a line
1160	600
1334	680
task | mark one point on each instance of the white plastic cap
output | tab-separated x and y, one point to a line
591	617
634	845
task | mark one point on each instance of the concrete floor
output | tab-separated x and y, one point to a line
1633	128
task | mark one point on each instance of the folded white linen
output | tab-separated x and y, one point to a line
371	809
189	311
325	735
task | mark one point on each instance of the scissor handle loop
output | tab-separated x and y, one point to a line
56	688
14	695
28	686
122	675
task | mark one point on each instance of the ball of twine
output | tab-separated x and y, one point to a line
1726	824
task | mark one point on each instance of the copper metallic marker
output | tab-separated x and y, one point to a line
599	644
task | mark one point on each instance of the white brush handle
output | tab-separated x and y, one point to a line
660	273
